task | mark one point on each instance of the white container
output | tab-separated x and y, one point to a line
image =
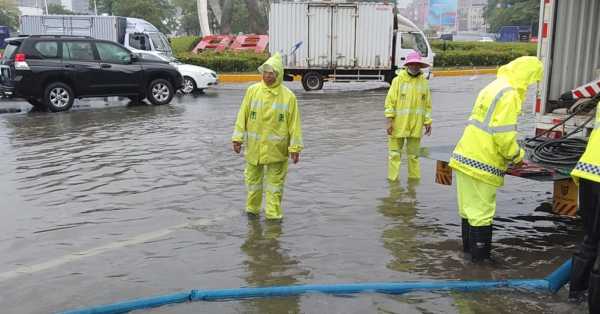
99	27
569	47
332	35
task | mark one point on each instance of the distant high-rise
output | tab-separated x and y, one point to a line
470	15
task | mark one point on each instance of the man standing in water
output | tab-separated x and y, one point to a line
488	145
585	271
268	123
408	111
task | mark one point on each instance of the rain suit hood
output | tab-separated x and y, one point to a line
522	72
276	64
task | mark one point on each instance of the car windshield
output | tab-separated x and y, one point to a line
160	42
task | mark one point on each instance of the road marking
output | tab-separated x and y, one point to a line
72	257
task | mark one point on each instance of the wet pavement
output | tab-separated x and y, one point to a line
112	201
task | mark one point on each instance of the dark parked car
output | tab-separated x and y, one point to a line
51	71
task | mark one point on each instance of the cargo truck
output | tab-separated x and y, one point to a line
569	47
136	34
324	41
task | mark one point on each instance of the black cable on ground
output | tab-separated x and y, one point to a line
562	152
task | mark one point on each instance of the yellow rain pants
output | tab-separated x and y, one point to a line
476	200
275	177
395	146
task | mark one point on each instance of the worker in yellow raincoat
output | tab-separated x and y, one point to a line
268	124
487	147
586	264
408	110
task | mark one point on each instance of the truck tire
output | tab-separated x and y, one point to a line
312	81
160	92
58	97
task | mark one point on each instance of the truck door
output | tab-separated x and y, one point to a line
409	41
344	36
319	35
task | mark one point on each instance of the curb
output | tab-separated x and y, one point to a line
244	78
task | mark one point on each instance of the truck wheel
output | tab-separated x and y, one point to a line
160	92
58	97
312	81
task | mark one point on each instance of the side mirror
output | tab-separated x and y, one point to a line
135	57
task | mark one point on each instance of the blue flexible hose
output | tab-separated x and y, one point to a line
552	283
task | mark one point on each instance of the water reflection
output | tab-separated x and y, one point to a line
269	265
400	236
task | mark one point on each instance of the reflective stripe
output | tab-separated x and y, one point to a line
254	187
492	130
297	141
589	168
251	135
478	165
256	104
237	134
274	188
391	110
394	153
279	106
277	138
488	116
404	112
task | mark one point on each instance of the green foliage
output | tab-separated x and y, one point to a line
225	61
54	8
160	13
500	13
9	14
189	22
103	6
184	43
458	54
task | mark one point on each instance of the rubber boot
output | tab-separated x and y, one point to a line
594	293
578	283
480	242
465	235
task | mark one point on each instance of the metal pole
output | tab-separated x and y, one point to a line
95	8
46	5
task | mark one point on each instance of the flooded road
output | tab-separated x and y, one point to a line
112	202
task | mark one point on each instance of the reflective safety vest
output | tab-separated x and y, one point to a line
268	124
588	166
409	102
489	142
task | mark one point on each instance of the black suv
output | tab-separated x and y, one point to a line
51	71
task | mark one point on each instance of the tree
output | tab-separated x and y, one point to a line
500	13
103	6
9	14
54	8
159	13
189	16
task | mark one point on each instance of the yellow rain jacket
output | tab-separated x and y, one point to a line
588	166
268	121
489	142
409	102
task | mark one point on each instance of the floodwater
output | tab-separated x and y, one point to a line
110	202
